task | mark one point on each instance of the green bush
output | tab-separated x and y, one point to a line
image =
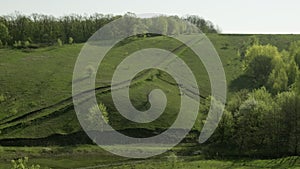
71	40
59	42
2	98
26	44
14	111
17	44
172	158
22	163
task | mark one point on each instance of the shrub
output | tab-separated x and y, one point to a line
26	44
59	42
17	44
2	98
71	40
14	111
22	163
93	118
172	158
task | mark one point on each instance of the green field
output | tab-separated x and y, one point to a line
36	86
94	157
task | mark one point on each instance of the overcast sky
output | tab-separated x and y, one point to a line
232	16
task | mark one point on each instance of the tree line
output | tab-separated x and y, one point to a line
24	30
263	120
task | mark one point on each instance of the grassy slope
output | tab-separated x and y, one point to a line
31	81
42	78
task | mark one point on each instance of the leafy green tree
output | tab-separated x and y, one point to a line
236	100
159	25
294	48
261	95
254	40
292	71
278	80
289	135
259	69
294	51
244	121
297	59
38	28
4	33
260	61
260	50
204	25
224	132
250	122
173	26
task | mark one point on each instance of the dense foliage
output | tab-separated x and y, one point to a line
264	121
21	30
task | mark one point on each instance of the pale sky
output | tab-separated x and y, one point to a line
232	16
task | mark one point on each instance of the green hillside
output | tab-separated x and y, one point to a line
36	108
36	84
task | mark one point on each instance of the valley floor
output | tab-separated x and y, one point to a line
88	156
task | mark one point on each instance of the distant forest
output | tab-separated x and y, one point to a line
20	30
